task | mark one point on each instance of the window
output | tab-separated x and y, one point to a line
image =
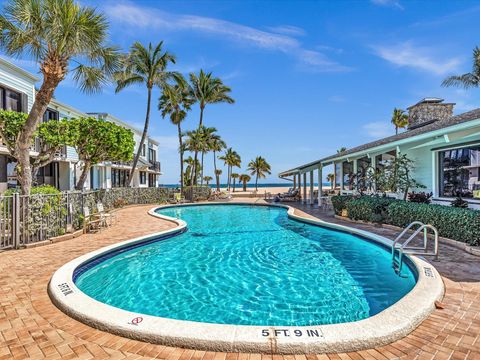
10	100
152	155
143	177
337	174
119	178
348	175
460	172
152	180
50	115
143	150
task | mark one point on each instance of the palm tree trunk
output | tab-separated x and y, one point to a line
195	173
229	179
180	142
234	185
24	138
256	183
217	178
201	170
83	176
144	136
201	117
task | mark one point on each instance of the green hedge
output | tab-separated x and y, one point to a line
453	223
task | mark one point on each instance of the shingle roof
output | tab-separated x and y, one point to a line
437	125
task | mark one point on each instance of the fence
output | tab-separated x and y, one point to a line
28	219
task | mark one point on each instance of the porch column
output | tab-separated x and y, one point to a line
320	181
355	171
341	176
373	170
311	187
294	182
299	184
304	188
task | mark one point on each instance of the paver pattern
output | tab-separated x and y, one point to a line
32	327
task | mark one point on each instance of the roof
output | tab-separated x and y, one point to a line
437	125
19	70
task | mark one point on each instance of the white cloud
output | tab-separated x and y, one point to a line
167	143
152	19
378	129
287	30
336	98
406	54
389	3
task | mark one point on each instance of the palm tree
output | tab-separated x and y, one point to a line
342	149
144	65
207	179
331	179
467	80
207	89
231	159
399	119
208	136
191	164
218	172
259	167
244	178
234	176
55	34
216	145
176	101
194	142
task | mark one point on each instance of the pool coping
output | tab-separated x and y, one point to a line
385	327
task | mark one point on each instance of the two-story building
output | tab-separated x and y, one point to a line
17	93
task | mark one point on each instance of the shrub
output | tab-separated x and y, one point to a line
421	197
339	203
459	203
369	208
454	223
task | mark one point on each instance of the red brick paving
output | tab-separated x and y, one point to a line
31	327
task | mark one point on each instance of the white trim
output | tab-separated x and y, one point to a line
385	327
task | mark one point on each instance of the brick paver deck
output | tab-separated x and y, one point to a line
32	327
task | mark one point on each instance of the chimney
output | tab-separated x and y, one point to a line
427	111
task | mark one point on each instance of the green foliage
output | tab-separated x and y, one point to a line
399	119
421	197
97	140
459	203
369	208
339	203
454	223
467	80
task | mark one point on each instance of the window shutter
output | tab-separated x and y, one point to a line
24	103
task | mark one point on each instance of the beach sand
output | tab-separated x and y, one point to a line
273	190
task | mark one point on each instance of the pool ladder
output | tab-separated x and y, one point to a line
401	248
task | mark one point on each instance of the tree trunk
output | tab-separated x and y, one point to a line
256	183
195	173
25	137
83	176
194	176
180	142
144	136
228	177
215	170
201	116
234	185
244	186
201	170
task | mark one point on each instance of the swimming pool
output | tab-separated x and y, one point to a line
280	260
248	265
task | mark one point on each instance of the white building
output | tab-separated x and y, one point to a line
17	93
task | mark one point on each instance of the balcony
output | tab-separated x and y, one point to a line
155	166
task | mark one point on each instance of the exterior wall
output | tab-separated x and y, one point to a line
423	172
424	112
17	79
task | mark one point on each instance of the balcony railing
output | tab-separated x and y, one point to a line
155	166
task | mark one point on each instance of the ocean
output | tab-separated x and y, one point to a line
250	185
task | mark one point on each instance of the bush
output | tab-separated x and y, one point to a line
369	208
454	223
421	198
459	203
339	203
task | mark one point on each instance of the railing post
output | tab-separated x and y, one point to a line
16	220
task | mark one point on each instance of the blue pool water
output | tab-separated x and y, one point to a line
249	265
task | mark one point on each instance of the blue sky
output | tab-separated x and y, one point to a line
308	77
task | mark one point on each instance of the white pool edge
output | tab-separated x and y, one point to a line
387	326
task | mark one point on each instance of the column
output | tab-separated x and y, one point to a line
304	187
341	176
373	170
355	173
294	182
311	188
299	185
320	181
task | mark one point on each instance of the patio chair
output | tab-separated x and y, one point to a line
293	196
106	219
325	203
178	198
90	224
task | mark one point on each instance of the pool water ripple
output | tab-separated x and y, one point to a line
250	265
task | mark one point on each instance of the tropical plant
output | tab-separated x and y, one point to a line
467	80
244	178
189	171
96	141
259	167
331	179
459	203
207	179
218	172
216	145
197	141
234	176
231	159
342	149
55	34
208	135
176	101
399	119
147	66
420	197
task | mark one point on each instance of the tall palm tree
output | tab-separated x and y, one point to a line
207	179
231	159
207	89
176	102
234	176
144	65
189	170
399	119
467	80
259	167
331	179
245	178
208	136
194	142
216	145
218	172
55	34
